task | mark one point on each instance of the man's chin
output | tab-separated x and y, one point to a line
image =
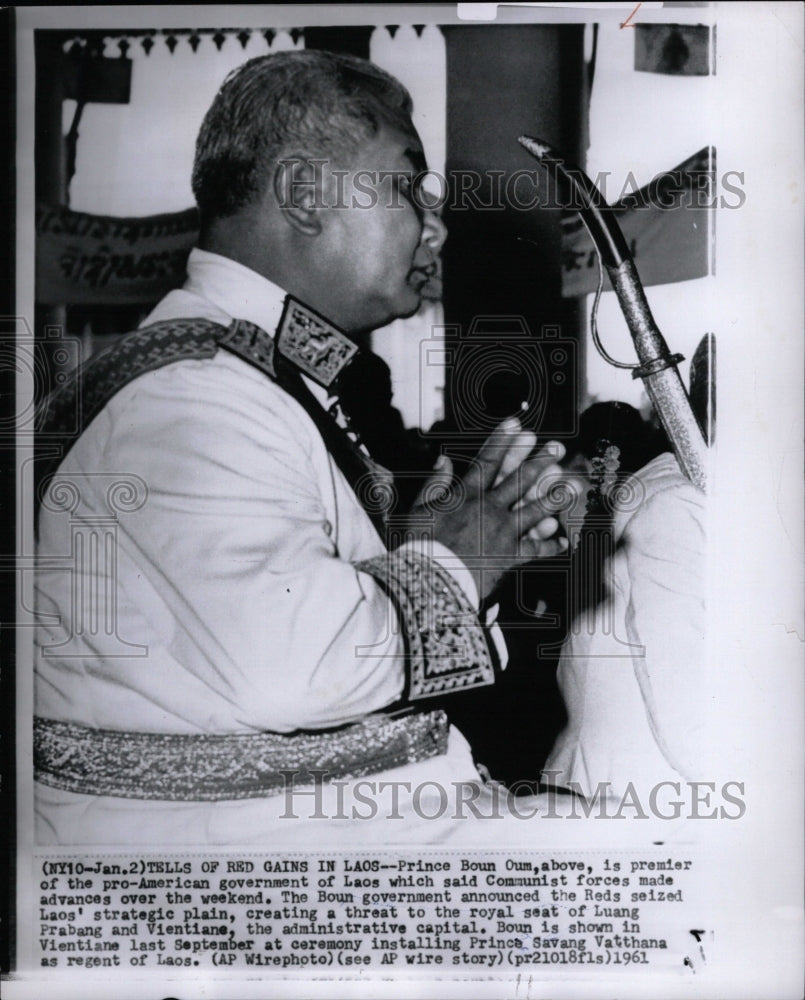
414	308
415	303
407	305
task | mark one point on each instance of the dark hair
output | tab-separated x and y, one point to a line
322	102
616	423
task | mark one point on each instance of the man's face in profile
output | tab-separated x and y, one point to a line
381	243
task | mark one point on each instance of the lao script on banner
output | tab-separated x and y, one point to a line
96	259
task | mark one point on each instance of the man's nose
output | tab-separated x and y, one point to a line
434	231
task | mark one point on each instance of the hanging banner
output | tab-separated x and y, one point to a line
665	224
84	259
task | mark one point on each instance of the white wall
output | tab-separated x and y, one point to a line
136	159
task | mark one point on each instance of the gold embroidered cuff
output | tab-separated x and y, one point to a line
445	643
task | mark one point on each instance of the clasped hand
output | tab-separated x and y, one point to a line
500	514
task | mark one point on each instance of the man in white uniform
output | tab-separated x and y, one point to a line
237	615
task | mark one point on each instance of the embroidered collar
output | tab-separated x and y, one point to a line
317	348
314	345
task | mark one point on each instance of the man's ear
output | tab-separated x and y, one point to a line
298	188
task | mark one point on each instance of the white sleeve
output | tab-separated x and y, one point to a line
239	530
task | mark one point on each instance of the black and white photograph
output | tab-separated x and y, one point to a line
404	573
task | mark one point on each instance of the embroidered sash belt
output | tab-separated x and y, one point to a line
210	768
